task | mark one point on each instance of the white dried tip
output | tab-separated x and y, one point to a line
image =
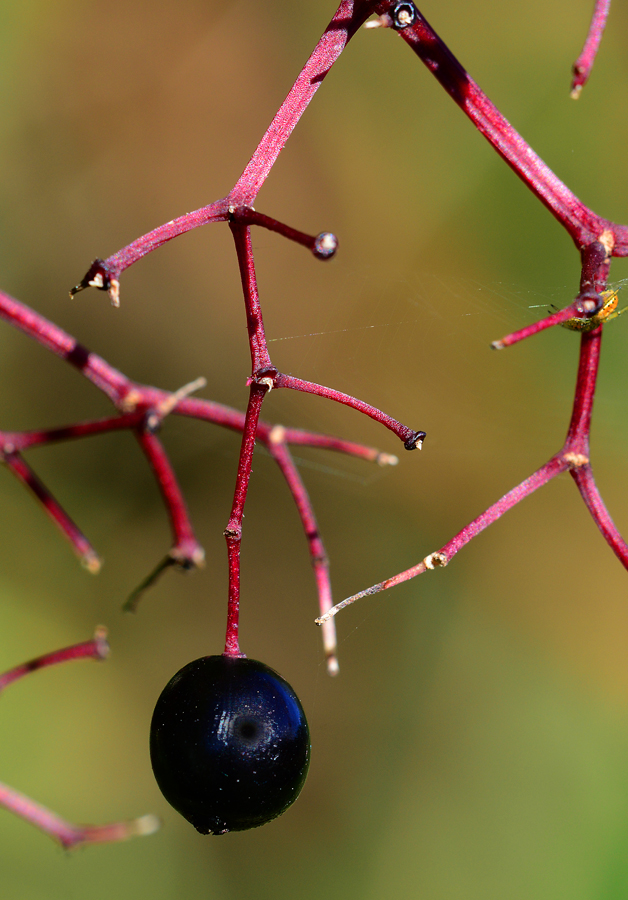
107	834
130	401
114	292
102	644
332	666
380	22
607	240
386	459
143	825
92	562
171	401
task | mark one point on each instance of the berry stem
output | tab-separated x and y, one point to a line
233	531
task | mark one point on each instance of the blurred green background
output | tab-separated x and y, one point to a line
474	744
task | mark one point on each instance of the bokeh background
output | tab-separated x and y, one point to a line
475	743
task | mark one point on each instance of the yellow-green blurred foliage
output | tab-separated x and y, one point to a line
475	744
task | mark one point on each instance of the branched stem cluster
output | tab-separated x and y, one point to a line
143	409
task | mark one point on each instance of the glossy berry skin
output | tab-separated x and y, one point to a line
229	744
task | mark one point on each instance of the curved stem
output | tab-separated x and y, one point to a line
318	555
583	476
412	440
186	550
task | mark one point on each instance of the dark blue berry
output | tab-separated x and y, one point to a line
229	744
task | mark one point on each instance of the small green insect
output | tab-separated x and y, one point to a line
606	313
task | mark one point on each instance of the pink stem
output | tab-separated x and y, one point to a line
576	448
583	65
563	315
55	511
233	531
186	550
593	277
577	440
574	456
68	834
411	439
11	441
96	648
349	16
53	338
323	245
583	476
260	358
320	562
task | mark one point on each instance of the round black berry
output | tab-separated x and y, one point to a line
229	744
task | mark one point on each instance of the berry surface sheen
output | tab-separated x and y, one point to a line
229	744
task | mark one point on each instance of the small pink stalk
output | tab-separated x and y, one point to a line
318	555
81	546
96	648
583	65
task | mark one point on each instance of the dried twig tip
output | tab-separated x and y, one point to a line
387	459
415	441
380	22
101	644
